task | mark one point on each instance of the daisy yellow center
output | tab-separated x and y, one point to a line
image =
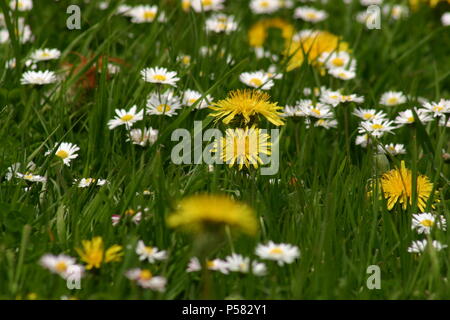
368	116
207	2
61	266
256	82
192	100
316	111
377	126
130	212
186	60
149	15
148	250
438	108
145	275
45	54
276	251
311	15
321	122
392	100
338	62
163	108
127	117
28	176
427	223
159	77
264	4
411	119
210	264
62	154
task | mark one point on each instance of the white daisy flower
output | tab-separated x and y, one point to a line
221	23
143	13
407	117
66	152
207	5
336	59
445	19
62	265
326	123
437	109
127	118
392	98
86	182
21	5
151	254
239	263
145	137
319	110
216	265
310	14
369	114
38	77
376	127
256	79
31	177
421	245
282	253
342	73
45	54
13	171
160	75
163	104
264	6
393	149
334	98
146	279
424	222
191	96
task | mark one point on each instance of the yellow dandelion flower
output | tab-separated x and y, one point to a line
313	44
247	104
243	147
94	254
396	185
199	212
258	33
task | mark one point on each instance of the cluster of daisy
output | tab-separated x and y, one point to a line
41	77
375	123
423	223
144	277
161	102
281	253
321	113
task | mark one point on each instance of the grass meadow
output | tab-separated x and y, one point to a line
331	200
